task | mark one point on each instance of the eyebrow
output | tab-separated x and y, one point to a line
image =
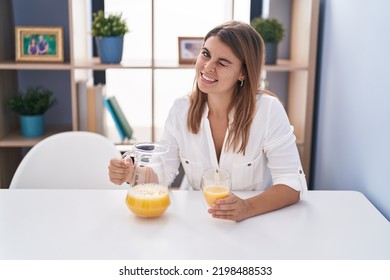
221	58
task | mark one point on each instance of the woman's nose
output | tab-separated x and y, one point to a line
209	65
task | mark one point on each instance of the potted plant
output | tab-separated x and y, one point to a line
108	32
272	32
31	106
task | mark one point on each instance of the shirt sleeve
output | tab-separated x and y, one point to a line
172	160
281	150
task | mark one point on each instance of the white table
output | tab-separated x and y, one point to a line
96	224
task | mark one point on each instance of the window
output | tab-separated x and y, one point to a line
154	80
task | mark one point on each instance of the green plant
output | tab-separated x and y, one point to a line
34	101
110	25
270	29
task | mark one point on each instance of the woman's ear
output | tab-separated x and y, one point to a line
241	77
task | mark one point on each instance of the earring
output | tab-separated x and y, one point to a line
241	83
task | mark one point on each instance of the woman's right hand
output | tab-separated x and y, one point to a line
120	170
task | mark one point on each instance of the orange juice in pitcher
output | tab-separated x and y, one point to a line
148	195
148	200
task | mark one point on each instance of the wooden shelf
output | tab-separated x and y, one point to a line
286	66
94	64
16	140
10	65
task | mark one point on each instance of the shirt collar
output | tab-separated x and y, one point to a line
230	116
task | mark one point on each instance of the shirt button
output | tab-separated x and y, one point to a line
300	171
249	164
187	162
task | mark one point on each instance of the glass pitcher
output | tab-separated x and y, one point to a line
148	195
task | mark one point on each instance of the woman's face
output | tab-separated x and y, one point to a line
217	68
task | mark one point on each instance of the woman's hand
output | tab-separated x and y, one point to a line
238	209
120	170
231	208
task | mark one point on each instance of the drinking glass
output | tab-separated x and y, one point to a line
216	184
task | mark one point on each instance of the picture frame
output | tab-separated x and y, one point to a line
39	44
189	48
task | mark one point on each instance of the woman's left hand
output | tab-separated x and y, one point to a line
231	208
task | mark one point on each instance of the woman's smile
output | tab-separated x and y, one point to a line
206	79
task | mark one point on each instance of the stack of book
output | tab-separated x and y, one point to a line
90	107
91	103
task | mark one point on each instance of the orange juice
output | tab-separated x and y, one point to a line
215	192
148	200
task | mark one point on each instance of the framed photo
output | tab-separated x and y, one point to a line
189	48
39	44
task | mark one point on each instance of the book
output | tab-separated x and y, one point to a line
107	104
99	94
120	118
82	105
91	104
90	107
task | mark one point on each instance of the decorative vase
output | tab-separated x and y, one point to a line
271	53
110	49
32	126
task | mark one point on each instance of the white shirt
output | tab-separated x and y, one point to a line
271	155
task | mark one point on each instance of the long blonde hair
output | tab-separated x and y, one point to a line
248	46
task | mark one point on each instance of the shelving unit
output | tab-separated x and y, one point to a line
303	50
300	68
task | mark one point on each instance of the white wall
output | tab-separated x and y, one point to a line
353	128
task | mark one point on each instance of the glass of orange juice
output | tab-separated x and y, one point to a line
216	184
148	195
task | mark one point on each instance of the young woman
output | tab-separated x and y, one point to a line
32	47
227	122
